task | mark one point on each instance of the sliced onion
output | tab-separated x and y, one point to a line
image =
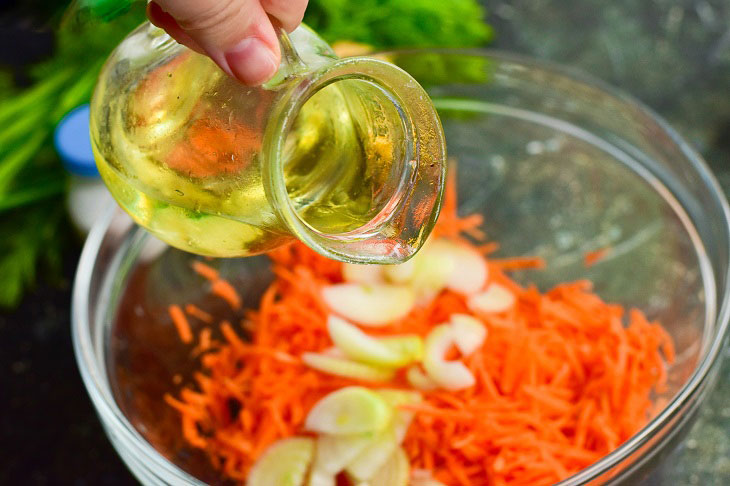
444	264
284	463
434	268
321	478
357	345
401	418
496	298
395	472
344	367
365	274
403	272
349	411
420	380
369	305
372	458
408	346
452	375
469	333
335	452
468	267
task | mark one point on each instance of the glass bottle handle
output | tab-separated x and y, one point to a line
289	55
291	64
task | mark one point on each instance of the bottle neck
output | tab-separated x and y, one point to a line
355	162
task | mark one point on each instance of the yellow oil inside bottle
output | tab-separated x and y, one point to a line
181	153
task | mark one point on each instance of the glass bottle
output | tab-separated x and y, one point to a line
346	155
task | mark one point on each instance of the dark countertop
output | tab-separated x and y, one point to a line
49	430
674	56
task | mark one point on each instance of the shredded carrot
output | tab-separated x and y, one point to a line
562	379
225	291
205	342
205	271
593	257
518	263
181	324
198	313
234	145
220	287
488	248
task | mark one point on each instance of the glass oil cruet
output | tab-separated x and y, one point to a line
346	155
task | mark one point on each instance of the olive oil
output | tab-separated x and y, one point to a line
185	151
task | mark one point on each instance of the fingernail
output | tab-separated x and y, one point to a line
252	62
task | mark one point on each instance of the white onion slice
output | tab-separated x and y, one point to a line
284	463
401	418
335	452
344	367
496	298
357	345
452	375
395	472
409	346
369	305
468	267
372	458
420	380
366	274
403	272
469	333
349	411
321	478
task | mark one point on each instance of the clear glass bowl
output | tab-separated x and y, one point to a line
560	165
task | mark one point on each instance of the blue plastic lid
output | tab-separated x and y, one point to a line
73	143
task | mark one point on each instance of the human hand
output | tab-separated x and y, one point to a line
239	35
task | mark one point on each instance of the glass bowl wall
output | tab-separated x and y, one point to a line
559	166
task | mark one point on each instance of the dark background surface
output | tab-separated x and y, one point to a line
673	55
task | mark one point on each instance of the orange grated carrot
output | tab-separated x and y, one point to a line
593	257
205	271
181	323
205	342
562	379
488	248
225	291
519	263
198	313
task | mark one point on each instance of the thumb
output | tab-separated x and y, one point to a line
236	34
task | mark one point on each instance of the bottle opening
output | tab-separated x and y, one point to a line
344	157
356	162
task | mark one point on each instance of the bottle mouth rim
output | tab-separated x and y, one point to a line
414	210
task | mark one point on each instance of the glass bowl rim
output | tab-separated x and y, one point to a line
112	416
